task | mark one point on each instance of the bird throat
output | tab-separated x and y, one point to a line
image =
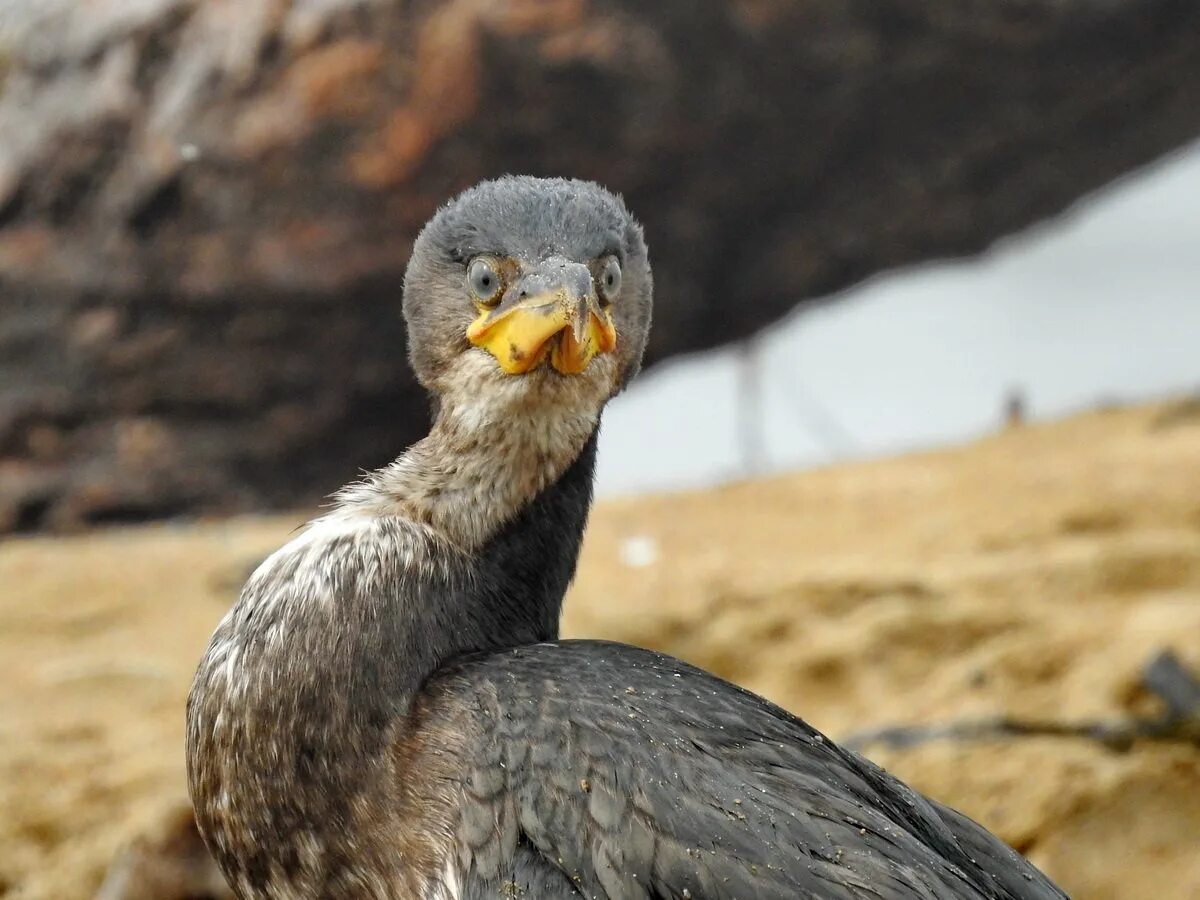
473	472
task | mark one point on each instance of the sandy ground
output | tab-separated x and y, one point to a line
1030	574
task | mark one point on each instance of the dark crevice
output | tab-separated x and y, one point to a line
12	208
159	48
160	206
31	514
132	512
270	50
69	197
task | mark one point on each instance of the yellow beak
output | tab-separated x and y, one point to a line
570	330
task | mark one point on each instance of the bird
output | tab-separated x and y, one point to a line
387	711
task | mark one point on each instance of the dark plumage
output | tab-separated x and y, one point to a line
387	711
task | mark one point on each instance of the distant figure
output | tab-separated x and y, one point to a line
1014	408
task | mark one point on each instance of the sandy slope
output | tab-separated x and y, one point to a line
1032	573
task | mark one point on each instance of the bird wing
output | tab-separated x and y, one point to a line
638	776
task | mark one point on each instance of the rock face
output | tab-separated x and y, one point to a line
205	208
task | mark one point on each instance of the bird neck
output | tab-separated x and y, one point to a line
310	678
477	468
467	542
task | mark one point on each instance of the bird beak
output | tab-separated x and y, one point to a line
551	312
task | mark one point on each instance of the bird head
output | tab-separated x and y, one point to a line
542	286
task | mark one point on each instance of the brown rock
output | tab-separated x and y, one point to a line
205	208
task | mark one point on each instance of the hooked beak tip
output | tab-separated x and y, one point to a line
581	321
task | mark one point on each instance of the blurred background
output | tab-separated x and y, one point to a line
918	445
1099	306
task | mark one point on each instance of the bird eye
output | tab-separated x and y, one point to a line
610	280
483	280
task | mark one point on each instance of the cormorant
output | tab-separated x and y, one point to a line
387	711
